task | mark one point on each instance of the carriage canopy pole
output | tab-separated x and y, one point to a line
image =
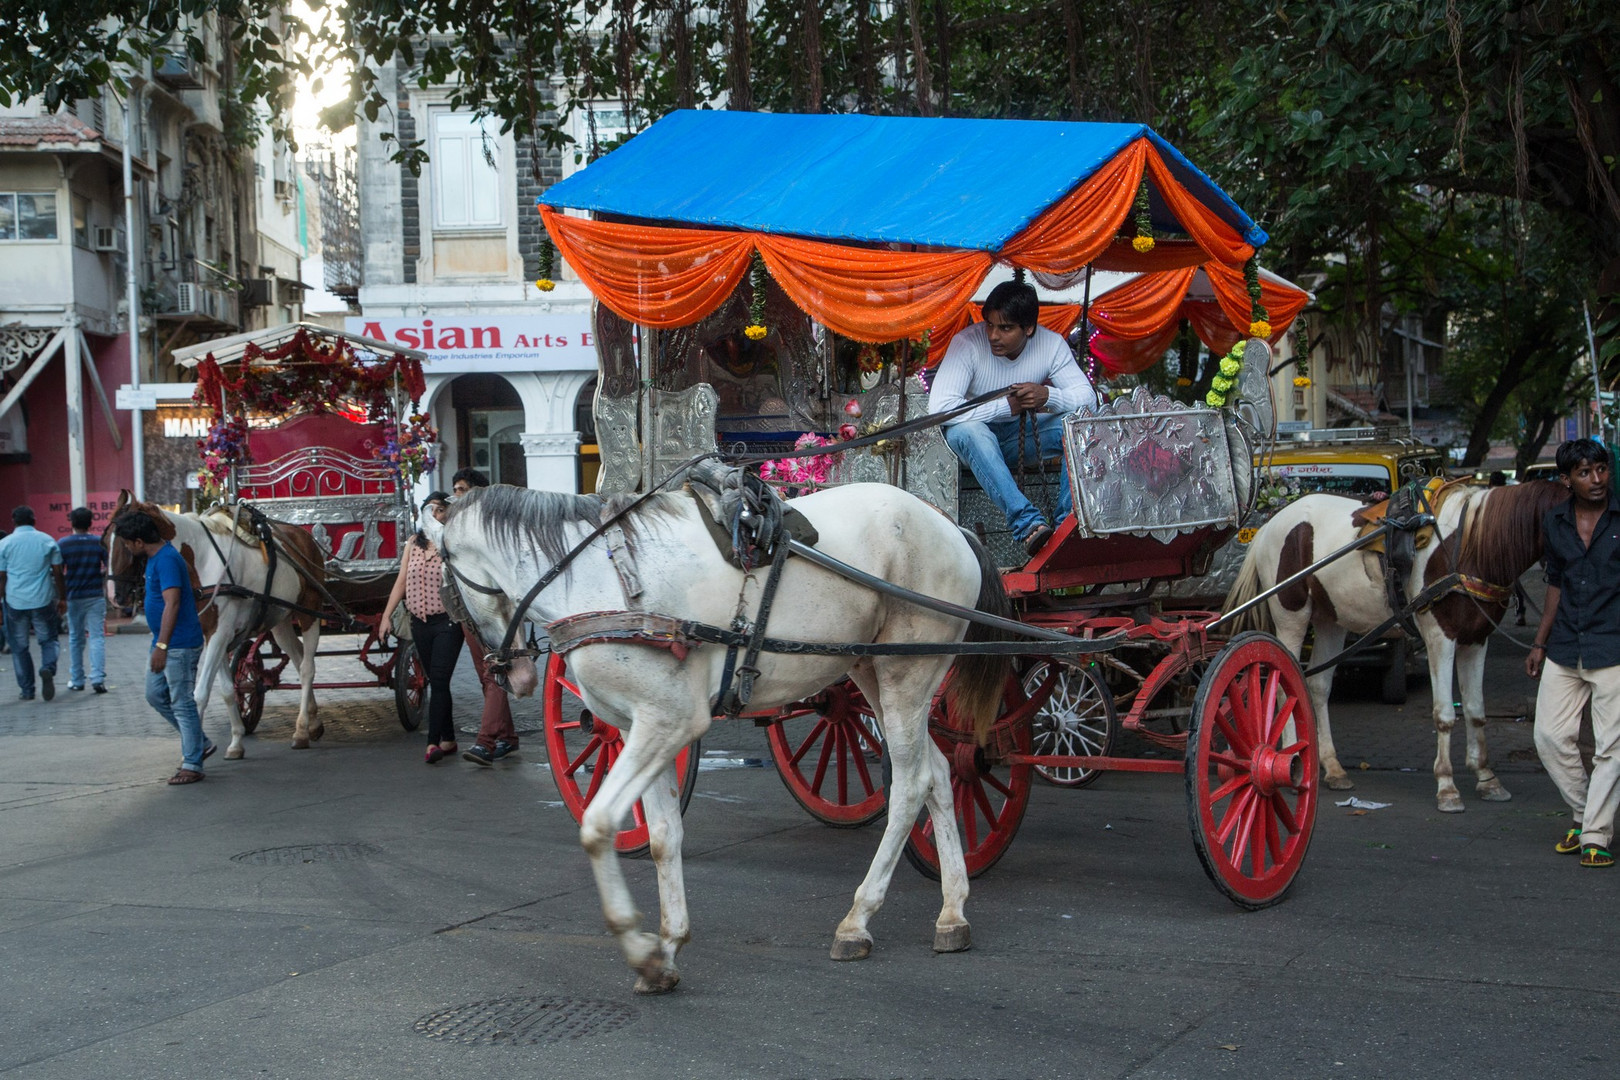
1359	542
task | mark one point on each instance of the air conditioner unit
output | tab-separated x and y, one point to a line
188	298
104	238
178	71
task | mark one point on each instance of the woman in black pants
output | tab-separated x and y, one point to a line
438	640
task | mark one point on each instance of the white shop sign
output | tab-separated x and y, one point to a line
463	343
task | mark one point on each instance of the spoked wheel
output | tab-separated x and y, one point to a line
830	757
247	681
1077	720
990	796
1251	770
582	750
410	685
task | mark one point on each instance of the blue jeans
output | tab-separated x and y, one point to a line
990	450
87	621
172	693
43	620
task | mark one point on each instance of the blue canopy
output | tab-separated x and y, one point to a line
950	183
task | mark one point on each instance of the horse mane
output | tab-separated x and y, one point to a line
1502	537
519	517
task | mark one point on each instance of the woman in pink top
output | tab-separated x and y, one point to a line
438	640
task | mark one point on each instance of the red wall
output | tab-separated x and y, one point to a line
43	483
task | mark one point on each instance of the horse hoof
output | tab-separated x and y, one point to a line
661	982
1339	783
953	938
1450	804
1493	792
300	744
316	732
234	753
852	948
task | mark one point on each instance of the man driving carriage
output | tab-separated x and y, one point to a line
1010	350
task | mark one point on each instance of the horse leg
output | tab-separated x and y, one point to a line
665	831
306	682
1442	656
650	745
213	665
916	768
1329	643
1471	681
302	658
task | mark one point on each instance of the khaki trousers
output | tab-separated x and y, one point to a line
1563	694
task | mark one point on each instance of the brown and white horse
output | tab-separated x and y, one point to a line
216	556
1500	539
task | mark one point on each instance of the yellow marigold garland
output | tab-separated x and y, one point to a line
548	260
755	330
1258	326
1144	242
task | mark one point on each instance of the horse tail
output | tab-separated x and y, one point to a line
1246	588
976	684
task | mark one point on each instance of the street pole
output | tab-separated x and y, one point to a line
1597	384
137	440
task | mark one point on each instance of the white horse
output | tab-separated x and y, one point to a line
216	556
505	538
1500	539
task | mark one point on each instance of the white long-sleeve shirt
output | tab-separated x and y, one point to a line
970	369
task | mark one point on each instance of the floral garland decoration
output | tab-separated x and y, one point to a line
1144	241
1258	326
1301	348
407	447
548	264
305	374
1230	365
755	330
810	473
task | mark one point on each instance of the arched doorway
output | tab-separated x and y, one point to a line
490	422
590	456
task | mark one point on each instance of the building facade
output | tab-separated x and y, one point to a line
448	261
217	211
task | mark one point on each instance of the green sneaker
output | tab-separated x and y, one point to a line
1571	843
1594	856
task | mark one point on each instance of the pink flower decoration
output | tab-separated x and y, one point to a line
846	432
853	408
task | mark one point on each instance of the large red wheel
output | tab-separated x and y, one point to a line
581	751
829	755
410	685
248	677
1251	770
990	796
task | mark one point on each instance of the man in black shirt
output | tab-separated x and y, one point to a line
1577	649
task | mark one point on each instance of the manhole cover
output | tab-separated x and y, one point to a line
525	1021
305	853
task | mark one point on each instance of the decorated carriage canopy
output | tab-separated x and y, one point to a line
265	377
882	228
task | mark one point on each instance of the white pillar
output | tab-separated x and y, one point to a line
553	460
74	377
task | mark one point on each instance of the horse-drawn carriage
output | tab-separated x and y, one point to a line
314	429
745	318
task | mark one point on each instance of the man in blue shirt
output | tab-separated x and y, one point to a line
84	560
30	586
177	639
1576	654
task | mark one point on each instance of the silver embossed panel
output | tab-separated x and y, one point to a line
920	462
1149	466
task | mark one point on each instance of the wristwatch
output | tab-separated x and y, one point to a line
162	646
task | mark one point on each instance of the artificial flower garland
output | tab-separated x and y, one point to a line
1301	348
755	330
1230	366
1144	241
548	264
1258	326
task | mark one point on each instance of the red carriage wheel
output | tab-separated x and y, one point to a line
410	685
1076	720
990	796
1252	771
247	681
830	756
581	751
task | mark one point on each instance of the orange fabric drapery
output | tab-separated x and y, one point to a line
1118	356
871	294
1166	255
1282	304
1207	229
652	275
1212	326
1058	318
1081	226
1141	307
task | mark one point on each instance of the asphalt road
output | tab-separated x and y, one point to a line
347	911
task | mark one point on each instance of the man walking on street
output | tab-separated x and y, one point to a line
177	639
496	736
1577	650
30	588
85	562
